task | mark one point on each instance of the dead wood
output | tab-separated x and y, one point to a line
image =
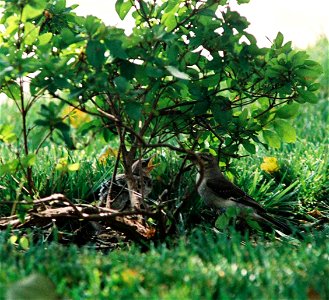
85	222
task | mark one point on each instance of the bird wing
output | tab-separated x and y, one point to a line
227	190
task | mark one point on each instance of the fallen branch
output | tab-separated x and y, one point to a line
124	222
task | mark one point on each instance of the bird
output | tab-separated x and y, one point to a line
119	196
218	192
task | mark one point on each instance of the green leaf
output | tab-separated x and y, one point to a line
123	7
309	71
92	24
307	96
299	58
272	139
59	6
201	107
7	134
249	147
24	243
95	53
153	72
278	40
253	224
116	48
29	160
13	239
232	212
62	126
65	135
122	84
285	131
222	221
222	115
314	87
30	12
30	33
9	167
243	117
288	111
12	90
168	18
45	38
127	69
176	73
67	37
134	110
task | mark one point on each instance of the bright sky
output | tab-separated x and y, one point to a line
300	21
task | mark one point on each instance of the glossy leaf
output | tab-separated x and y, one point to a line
176	73
285	130
7	134
307	96
45	38
123	7
30	12
272	139
288	111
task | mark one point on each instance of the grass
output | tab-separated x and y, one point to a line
203	265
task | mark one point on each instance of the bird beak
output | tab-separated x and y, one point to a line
150	165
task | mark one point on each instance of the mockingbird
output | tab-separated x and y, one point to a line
119	196
217	191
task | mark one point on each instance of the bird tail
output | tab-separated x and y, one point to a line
277	224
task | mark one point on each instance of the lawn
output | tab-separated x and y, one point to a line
204	263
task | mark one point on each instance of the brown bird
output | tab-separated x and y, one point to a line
217	191
119	197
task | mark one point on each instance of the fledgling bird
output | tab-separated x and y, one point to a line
119	197
217	191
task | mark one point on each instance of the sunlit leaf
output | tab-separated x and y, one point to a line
45	38
285	130
123	7
30	12
176	73
24	243
272	139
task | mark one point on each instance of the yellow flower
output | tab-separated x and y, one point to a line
131	276
270	165
64	166
107	152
